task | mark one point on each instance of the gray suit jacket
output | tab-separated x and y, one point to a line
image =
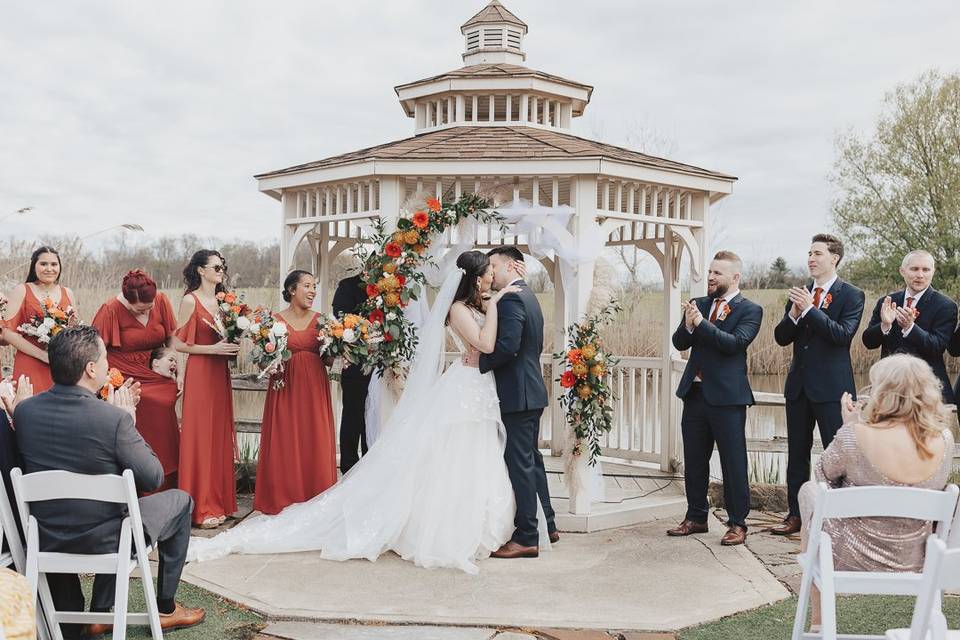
70	429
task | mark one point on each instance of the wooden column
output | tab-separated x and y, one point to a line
700	210
524	108
669	416
461	109
288	211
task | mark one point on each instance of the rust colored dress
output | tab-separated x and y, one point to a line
207	437
298	458
129	344
23	364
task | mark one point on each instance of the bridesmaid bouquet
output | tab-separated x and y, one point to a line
269	344
114	381
52	321
234	320
353	339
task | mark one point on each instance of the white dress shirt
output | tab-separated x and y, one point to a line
826	286
913	305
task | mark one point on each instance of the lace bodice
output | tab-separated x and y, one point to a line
462	346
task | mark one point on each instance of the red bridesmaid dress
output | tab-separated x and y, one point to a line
207	437
129	343
37	370
298	458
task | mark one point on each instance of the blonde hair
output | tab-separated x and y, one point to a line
905	390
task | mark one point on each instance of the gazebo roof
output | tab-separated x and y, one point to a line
494	13
497	143
494	70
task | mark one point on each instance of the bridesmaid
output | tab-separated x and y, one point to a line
42	283
298	457
207	438
133	324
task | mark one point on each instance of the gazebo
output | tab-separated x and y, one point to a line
496	123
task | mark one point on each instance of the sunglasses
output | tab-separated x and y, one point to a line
217	267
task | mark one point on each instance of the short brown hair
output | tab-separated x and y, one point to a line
834	245
729	256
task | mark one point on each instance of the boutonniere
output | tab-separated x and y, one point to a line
826	302
724	312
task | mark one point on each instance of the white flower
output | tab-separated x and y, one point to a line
349	336
243	323
255	327
279	329
42	330
391	316
48	323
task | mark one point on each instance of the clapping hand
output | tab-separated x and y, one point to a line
801	299
905	318
849	408
134	388
13	393
122	398
691	315
888	314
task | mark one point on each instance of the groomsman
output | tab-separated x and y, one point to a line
918	320
820	321
716	394
348	298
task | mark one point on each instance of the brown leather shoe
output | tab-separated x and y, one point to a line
555	537
735	535
95	630
791	525
181	618
688	527
514	550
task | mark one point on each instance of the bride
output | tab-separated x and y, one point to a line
435	488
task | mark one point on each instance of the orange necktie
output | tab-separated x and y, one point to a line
716	310
816	297
909	303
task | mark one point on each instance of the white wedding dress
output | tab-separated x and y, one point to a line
434	488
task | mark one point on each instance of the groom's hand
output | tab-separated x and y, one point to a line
471	358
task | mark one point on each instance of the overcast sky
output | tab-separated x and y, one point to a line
160	113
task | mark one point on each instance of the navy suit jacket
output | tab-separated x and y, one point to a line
929	338
515	360
954	349
821	341
348	298
719	352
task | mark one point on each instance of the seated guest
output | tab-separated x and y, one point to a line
17	613
918	320
902	438
69	428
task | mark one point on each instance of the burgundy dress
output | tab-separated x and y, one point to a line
298	458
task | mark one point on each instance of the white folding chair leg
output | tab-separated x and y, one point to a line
803	602
828	596
46	604
149	593
122	583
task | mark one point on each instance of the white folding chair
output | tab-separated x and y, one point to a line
63	485
941	571
8	531
860	502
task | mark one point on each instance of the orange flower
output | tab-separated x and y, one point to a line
389	267
419	249
580	370
421	219
411	237
584	391
49	304
372	291
568	379
350	321
393	250
230	298
588	351
221	295
598	370
236	308
338	332
55	329
391	299
434	204
574	356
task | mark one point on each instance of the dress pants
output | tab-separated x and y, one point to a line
702	425
166	521
802	413
353	426
527	474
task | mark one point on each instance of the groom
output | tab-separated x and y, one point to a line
515	362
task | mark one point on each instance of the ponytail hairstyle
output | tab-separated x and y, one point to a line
473	264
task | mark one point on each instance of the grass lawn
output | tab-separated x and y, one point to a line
856	615
225	620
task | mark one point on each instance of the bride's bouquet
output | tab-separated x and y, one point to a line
352	339
269	351
52	321
587	393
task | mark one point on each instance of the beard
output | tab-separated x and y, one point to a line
720	291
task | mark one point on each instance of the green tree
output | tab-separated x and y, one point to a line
900	188
778	276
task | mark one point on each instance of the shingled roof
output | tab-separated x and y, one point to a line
497	143
494	12
496	70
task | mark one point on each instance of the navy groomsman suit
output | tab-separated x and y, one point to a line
819	374
954	349
927	339
716	393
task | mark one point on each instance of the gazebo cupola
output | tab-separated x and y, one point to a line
493	88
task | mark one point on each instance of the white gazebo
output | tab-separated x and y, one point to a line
495	123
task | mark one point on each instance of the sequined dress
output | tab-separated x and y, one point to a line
870	544
434	489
